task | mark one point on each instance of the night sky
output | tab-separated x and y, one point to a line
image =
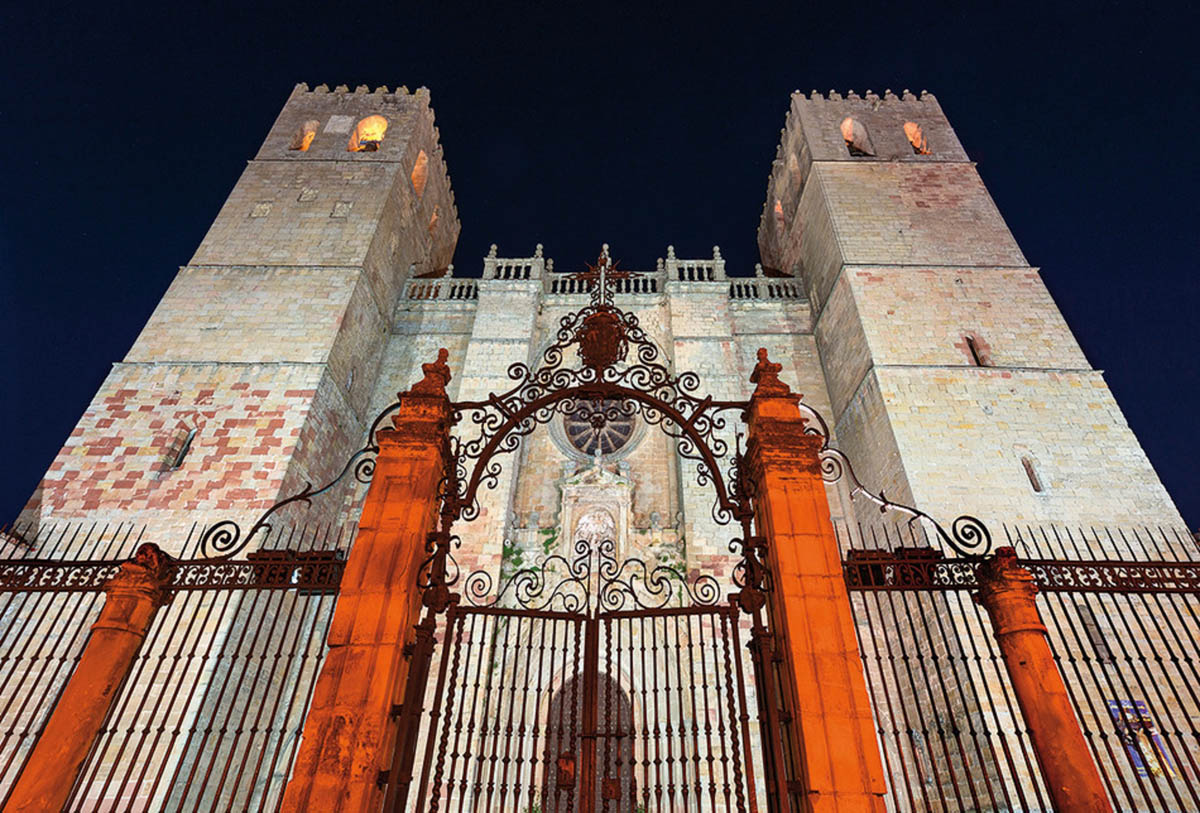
124	128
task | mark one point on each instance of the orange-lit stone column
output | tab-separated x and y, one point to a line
840	762
349	734
1008	593
132	597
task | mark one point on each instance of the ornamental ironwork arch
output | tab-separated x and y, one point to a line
604	387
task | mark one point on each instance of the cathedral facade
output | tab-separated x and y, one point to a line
892	355
890	288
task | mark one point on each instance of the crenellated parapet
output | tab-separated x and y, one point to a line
372	132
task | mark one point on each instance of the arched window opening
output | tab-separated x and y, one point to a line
1031	472
433	221
858	141
367	134
917	138
780	226
977	349
420	173
303	138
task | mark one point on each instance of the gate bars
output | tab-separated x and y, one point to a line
1121	609
210	715
588	683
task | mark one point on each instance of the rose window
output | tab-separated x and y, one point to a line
605	427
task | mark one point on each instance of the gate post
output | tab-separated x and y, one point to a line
349	732
840	765
132	598
1007	591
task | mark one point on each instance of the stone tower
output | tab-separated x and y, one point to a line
953	379
256	372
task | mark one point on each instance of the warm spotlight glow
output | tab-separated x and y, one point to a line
858	142
304	136
367	134
916	138
420	173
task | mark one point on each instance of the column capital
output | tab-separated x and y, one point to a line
1008	592
148	575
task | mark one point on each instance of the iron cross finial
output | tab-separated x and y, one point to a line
603	272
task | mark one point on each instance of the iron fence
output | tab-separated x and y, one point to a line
1121	608
210	715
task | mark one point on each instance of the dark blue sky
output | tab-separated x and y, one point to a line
124	127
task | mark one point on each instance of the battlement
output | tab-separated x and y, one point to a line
869	96
867	129
302	89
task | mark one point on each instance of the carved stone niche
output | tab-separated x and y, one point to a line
597	504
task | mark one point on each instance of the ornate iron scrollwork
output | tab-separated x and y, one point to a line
593	580
602	389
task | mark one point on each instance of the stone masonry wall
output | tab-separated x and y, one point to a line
270	342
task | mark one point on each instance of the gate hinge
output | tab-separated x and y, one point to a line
382	779
397	710
408	649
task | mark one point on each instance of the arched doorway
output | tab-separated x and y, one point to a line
615	790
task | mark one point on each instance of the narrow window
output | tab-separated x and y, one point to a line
367	134
1031	473
184	448
858	142
977	349
304	136
780	226
433	220
917	138
420	173
1091	628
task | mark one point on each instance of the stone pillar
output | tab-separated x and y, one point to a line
1007	591
349	733
841	768
132	598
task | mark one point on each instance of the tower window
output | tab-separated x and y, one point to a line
420	173
1034	480
977	349
433	221
858	141
184	447
916	138
367	134
303	138
780	226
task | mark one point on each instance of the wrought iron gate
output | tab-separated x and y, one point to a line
565	701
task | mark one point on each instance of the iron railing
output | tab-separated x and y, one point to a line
1121	608
210	715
